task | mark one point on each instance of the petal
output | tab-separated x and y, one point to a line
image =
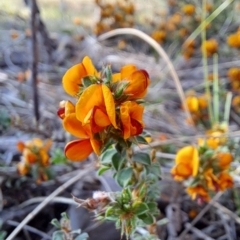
183	170
109	104
127	70
138	84
72	79
125	120
89	67
20	146
78	150
91	97
75	127
136	127
137	112
100	118
116	77
96	145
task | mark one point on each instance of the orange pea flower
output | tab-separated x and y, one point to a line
198	192
186	163
137	79
131	119
225	181
96	107
72	79
224	159
77	150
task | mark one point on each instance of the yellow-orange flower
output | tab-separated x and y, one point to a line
198	192
233	40
224	159
234	74
159	36
210	46
225	181
77	150
96	107
188	9
186	163
137	79
236	103
72	79
131	119
211	179
192	103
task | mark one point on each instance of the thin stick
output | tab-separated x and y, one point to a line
215	89
159	50
30	229
34	59
205	63
209	19
199	216
48	199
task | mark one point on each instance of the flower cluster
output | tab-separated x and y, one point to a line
35	158
205	168
118	15
107	107
197	106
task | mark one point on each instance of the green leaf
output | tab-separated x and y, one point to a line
102	170
152	206
87	81
3	234
154	169
83	236
146	218
58	235
64	216
140	208
124	176
111	215
117	161
108	72
106	156
142	158
56	223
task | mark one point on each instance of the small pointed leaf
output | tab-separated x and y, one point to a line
142	158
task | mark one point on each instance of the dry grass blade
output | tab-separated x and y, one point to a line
159	50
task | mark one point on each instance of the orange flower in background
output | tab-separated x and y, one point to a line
96	106
159	36
138	81
198	192
188	48
234	74
236	103
34	153
224	159
131	119
225	181
192	103
186	163
210	46
188	9
72	79
233	40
